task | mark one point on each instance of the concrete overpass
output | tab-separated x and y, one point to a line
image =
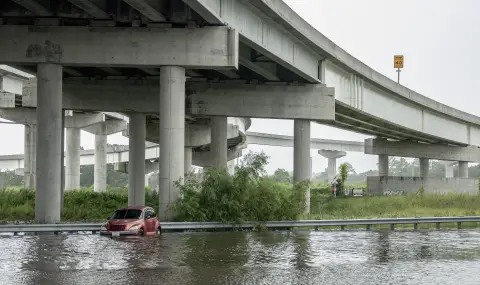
101	124
120	154
206	60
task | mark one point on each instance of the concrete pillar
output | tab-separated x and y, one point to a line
382	165
463	169
218	146
301	155
100	166
231	167
49	143
424	167
448	169
136	158
72	159
332	156
30	145
188	160
172	135
147	179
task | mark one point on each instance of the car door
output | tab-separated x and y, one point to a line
149	220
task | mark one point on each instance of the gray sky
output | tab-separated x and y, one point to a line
439	39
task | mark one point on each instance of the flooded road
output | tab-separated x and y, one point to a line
325	257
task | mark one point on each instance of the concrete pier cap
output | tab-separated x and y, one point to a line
331	153
332	156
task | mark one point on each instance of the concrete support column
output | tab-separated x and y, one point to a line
172	135
147	179
218	144
188	160
72	159
382	165
424	167
49	143
448	169
136	158
301	155
30	145
100	166
231	167
332	156
463	169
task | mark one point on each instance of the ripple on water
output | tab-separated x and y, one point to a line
330	257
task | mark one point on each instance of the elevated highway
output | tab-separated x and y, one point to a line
120	154
204	61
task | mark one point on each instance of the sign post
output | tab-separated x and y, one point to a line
398	64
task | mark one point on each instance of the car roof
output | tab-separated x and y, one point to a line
134	208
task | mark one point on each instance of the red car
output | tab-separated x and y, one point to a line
132	220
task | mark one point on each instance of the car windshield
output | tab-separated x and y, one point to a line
127	214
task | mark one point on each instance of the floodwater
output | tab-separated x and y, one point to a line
324	257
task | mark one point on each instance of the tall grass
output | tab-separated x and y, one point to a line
413	205
79	205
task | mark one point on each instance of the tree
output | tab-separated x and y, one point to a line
437	169
281	175
399	167
343	170
12	179
350	169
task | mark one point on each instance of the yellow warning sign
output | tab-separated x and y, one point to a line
398	61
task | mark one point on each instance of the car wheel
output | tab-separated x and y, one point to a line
141	232
158	231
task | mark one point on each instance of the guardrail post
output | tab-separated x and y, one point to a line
392	227
415	226
316	228
369	227
459	225
342	227
438	226
15	233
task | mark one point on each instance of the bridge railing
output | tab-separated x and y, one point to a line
187	226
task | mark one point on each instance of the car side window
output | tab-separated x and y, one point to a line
153	213
149	213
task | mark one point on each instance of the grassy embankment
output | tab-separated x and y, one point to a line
85	205
246	196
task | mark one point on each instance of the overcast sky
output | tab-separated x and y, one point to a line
440	40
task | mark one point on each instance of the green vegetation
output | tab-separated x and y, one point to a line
79	205
245	196
249	195
414	205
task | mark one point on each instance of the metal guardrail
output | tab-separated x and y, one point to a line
95	227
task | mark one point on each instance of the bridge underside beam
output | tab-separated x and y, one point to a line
28	116
310	102
421	150
313	102
287	141
195	134
210	47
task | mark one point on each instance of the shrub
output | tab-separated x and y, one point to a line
246	196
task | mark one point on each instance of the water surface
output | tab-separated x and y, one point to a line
324	257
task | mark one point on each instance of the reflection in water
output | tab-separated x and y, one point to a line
383	244
331	257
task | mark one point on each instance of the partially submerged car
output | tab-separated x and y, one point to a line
132	220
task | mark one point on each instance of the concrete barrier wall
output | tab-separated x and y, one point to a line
396	185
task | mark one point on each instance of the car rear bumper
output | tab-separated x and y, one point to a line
120	233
